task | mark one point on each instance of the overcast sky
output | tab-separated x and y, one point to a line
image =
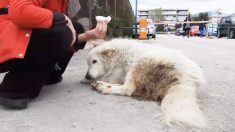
194	6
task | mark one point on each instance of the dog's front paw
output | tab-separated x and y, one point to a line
102	87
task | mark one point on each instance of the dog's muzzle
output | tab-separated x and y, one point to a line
88	76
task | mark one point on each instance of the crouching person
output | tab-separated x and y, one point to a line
37	41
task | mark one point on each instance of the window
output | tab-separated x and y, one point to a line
223	19
233	18
228	19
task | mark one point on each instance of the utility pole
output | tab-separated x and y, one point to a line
115	14
136	22
90	13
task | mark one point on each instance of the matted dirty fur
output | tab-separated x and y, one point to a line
131	68
152	79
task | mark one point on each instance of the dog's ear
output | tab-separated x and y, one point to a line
108	52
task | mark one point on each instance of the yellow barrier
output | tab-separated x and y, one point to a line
143	28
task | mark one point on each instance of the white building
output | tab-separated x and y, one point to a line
169	15
175	15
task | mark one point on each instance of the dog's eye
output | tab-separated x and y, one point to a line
94	61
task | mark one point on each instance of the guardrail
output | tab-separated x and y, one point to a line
182	22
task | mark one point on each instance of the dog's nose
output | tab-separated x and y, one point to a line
88	76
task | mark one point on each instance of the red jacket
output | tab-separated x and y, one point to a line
17	25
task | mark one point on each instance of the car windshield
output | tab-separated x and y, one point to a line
214	25
233	18
150	21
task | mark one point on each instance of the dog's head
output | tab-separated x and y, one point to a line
99	60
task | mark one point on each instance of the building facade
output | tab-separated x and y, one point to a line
175	15
169	15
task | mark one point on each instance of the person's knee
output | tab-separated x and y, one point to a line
61	36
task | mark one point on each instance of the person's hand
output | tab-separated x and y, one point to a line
70	25
98	33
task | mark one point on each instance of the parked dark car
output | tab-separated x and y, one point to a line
226	27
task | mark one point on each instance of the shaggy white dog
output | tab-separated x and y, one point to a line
131	68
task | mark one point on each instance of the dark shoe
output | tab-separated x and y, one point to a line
54	80
14	102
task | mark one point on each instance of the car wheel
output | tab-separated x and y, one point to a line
154	36
133	36
231	34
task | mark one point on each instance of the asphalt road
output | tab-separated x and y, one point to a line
74	107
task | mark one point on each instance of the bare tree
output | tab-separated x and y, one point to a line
156	15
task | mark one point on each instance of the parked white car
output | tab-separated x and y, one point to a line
212	29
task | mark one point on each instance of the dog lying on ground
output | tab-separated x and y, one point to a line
131	68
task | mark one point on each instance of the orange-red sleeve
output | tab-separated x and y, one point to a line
29	14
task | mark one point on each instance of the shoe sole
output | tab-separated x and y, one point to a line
14	104
54	81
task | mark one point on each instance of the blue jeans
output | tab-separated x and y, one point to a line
201	33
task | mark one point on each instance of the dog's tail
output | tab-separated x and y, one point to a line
180	106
